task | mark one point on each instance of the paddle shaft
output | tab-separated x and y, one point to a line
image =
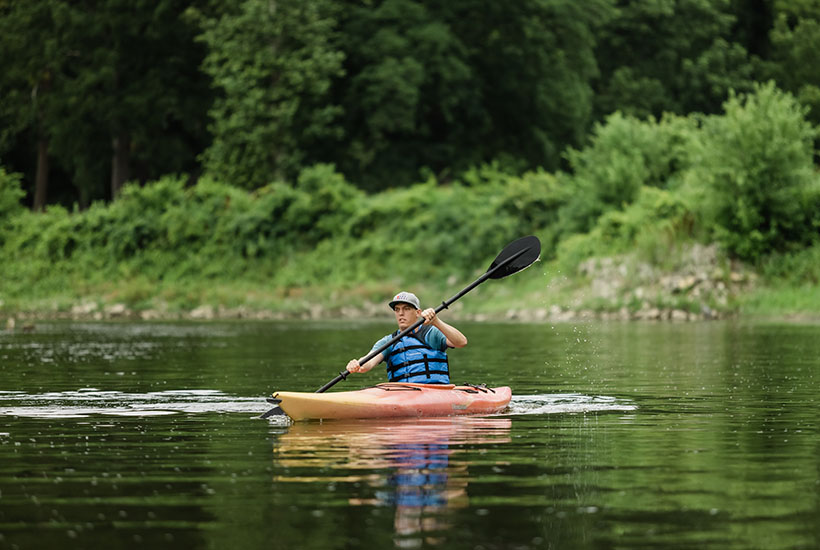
444	305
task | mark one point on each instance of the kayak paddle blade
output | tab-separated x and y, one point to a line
518	255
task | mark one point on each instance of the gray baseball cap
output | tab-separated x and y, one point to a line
406	298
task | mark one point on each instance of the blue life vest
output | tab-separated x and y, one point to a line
412	360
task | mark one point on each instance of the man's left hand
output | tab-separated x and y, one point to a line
429	315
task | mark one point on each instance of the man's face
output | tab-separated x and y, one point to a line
406	315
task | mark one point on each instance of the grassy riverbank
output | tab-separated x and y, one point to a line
705	285
682	218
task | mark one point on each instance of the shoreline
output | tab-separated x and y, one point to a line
700	285
21	320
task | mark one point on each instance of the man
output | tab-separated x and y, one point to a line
420	356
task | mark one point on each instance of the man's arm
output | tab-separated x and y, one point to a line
455	339
355	366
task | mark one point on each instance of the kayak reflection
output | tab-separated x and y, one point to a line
410	464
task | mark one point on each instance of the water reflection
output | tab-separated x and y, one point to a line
652	436
412	465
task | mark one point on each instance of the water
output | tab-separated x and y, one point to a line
619	436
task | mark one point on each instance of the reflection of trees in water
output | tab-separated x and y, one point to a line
423	481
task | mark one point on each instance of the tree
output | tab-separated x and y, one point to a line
449	85
133	90
795	41
410	97
536	64
110	88
756	164
670	55
753	21
272	62
32	59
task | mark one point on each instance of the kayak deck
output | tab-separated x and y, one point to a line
395	399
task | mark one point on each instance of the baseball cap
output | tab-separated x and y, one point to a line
405	297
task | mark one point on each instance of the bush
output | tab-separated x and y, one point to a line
625	154
430	231
419	230
657	220
794	268
167	231
10	194
755	164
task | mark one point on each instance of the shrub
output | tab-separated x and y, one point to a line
755	163
625	154
10	194
795	268
655	221
429	231
167	231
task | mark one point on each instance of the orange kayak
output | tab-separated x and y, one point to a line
391	400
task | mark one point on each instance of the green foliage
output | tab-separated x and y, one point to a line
755	163
325	204
389	91
625	155
10	195
447	86
76	76
795	46
796	268
657	220
320	231
415	233
31	59
273	63
744	178
693	65
410	98
656	210
431	232
534	199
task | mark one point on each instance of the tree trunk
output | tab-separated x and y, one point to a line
120	162
41	179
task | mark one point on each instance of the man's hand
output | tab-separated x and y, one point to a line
354	366
430	317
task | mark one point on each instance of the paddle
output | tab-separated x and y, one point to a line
516	256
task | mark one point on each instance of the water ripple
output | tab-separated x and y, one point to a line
567	403
92	401
85	402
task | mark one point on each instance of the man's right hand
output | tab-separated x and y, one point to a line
354	366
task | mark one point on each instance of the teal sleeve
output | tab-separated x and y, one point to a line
436	339
382	342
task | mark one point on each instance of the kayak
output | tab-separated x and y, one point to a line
395	399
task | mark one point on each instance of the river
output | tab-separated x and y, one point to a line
619	435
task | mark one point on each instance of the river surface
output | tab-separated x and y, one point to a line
145	435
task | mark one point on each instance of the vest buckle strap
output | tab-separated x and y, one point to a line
412	375
426	361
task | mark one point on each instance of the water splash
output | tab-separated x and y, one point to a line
567	403
86	402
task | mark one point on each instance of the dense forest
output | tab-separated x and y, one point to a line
148	147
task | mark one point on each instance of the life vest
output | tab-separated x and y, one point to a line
412	360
